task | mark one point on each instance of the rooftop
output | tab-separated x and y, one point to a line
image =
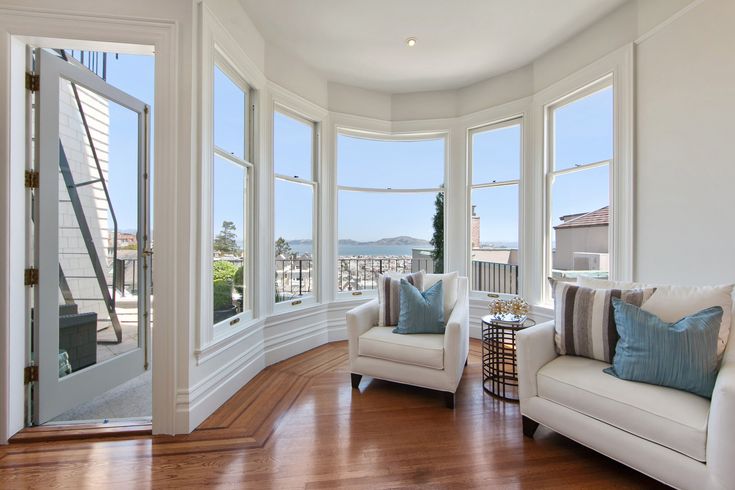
599	217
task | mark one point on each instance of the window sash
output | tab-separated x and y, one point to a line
501	124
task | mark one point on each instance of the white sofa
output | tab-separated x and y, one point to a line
681	439
433	361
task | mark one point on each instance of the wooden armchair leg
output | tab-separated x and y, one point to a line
356	379
529	426
449	400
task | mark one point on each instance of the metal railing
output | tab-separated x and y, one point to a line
494	277
126	276
294	276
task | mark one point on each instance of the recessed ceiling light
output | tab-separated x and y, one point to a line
411	42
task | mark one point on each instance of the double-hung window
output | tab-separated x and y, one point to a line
231	179
495	156
579	142
390	206
295	157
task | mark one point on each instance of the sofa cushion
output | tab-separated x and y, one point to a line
584	319
672	303
425	350
672	418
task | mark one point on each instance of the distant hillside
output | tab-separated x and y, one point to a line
398	240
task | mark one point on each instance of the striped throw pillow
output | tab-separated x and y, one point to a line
584	318
389	296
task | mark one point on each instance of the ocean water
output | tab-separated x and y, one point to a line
369	250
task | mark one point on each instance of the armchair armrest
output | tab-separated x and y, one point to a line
534	349
457	334
721	424
359	320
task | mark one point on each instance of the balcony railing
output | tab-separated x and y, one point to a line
494	277
294	276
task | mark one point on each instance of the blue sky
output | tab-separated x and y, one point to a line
132	74
583	135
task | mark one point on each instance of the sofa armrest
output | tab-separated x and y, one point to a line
359	320
721	424
457	334
534	349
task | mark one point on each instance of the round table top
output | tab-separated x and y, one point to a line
523	322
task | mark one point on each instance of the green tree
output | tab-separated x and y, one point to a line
223	271
437	239
283	248
226	242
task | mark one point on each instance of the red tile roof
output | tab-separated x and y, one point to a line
599	217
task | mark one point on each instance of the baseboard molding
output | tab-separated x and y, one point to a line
193	406
280	347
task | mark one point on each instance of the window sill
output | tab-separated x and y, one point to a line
294	305
225	340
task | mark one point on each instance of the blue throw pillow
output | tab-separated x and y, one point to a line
680	355
421	312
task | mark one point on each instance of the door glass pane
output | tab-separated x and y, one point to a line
404	164
99	273
496	155
380	232
228	239
583	130
579	219
293	142
294	244
494	239
230	109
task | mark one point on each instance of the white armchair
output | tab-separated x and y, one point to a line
679	438
433	361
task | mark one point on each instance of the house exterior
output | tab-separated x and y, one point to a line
582	242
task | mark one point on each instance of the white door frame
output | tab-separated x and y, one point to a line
18	27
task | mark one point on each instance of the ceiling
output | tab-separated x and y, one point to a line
459	42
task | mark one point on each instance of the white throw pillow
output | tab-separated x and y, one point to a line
672	303
450	283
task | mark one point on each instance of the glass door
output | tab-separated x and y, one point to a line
91	313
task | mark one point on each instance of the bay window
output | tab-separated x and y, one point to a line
294	158
390	193
580	141
231	177
495	164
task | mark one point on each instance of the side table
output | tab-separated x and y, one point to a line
499	368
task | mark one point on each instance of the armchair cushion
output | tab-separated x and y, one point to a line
425	350
665	416
421	312
450	284
389	295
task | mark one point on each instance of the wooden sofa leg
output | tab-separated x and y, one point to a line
529	426
356	379
449	400
467	361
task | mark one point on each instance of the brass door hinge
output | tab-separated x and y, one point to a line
30	374
32	179
33	82
31	277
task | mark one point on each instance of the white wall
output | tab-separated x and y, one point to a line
685	159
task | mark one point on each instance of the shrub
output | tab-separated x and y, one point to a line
222	295
223	271
238	278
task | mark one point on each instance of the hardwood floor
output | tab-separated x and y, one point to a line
299	424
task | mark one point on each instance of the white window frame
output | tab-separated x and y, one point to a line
383	136
514	120
235	323
615	68
312	298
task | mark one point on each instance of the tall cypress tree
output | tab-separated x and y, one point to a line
437	240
